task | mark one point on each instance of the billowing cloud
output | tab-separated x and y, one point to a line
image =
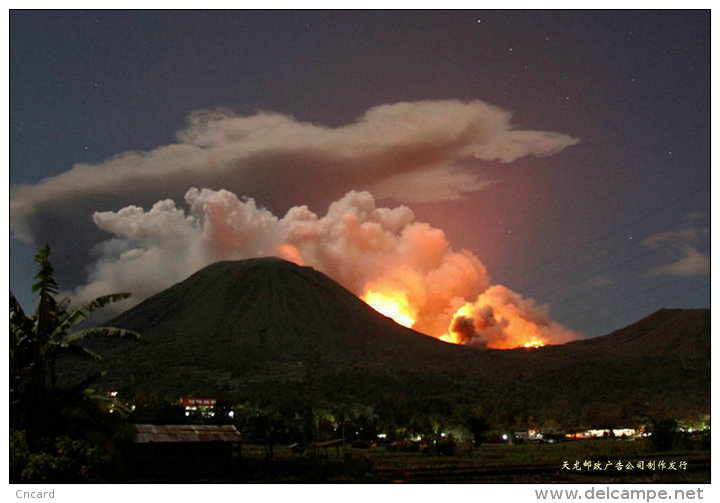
362	246
356	243
408	152
683	246
501	318
411	152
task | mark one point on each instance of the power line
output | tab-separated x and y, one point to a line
616	266
600	307
622	280
599	238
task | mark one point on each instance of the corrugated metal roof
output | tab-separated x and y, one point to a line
327	443
148	433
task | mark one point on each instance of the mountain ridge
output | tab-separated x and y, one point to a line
262	329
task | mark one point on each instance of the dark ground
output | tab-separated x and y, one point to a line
491	463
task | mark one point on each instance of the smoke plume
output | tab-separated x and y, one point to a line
410	152
362	246
501	318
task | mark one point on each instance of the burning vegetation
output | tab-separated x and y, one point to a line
499	318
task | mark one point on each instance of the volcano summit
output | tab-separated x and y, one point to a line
268	330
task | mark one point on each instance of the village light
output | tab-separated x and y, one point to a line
505	437
231	414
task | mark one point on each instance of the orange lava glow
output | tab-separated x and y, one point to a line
451	338
498	319
503	319
289	252
392	304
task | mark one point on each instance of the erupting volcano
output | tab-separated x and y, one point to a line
268	327
405	269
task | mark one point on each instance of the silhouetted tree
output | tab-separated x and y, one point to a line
221	409
40	413
664	434
478	426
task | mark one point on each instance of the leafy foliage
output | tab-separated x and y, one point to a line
62	459
37	341
53	426
664	434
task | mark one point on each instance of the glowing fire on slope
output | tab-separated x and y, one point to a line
392	304
498	319
456	338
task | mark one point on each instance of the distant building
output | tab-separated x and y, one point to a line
531	435
605	432
198	407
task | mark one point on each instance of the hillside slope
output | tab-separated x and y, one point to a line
270	331
263	317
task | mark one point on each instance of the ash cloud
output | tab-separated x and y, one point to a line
410	152
407	152
472	331
357	243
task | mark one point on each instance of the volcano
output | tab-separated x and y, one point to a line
268	330
258	321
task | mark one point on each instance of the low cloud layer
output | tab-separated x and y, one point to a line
411	152
682	245
362	246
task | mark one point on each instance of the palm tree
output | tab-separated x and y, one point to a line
37	341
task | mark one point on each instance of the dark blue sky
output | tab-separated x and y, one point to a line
577	230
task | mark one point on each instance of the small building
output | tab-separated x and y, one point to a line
325	445
528	435
553	434
188	452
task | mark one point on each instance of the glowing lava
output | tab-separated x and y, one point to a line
533	344
451	338
498	319
392	304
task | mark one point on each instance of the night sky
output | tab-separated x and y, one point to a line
604	221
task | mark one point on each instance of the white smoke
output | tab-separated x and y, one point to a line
357	243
